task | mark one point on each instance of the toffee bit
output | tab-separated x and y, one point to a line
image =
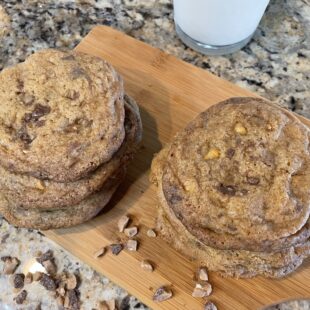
131	232
71	282
132	245
203	274
210	306
37	276
28	278
202	290
162	293
99	252
123	222
116	248
147	266
151	233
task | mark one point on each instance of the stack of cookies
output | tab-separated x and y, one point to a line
234	189
67	134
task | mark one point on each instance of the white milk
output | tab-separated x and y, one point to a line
219	22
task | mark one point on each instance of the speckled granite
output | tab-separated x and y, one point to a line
276	65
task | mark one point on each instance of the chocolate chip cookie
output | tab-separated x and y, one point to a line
32	193
241	171
62	115
62	217
233	189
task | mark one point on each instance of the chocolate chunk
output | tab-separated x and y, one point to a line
227	190
21	297
253	180
23	135
230	153
77	72
48	282
39	111
116	248
48	255
18	280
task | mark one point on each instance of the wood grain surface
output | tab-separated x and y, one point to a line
170	93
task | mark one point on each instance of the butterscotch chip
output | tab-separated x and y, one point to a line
162	294
213	154
99	252
240	129
147	265
123	222
40	185
131	232
202	290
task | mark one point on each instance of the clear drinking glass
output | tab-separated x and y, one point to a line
217	27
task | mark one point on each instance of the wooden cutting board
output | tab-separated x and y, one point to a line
170	93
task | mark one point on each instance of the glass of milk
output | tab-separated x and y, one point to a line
217	27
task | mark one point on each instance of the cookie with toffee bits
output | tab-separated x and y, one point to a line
62	115
33	193
237	177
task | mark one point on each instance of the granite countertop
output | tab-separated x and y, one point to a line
276	65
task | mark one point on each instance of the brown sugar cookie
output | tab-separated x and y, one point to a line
62	115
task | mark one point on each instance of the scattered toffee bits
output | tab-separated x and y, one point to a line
131	232
99	252
21	297
28	278
123	222
147	265
37	276
202	290
162	293
18	280
116	248
151	233
132	245
203	274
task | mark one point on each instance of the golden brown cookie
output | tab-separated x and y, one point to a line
63	217
237	177
31	193
62	115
